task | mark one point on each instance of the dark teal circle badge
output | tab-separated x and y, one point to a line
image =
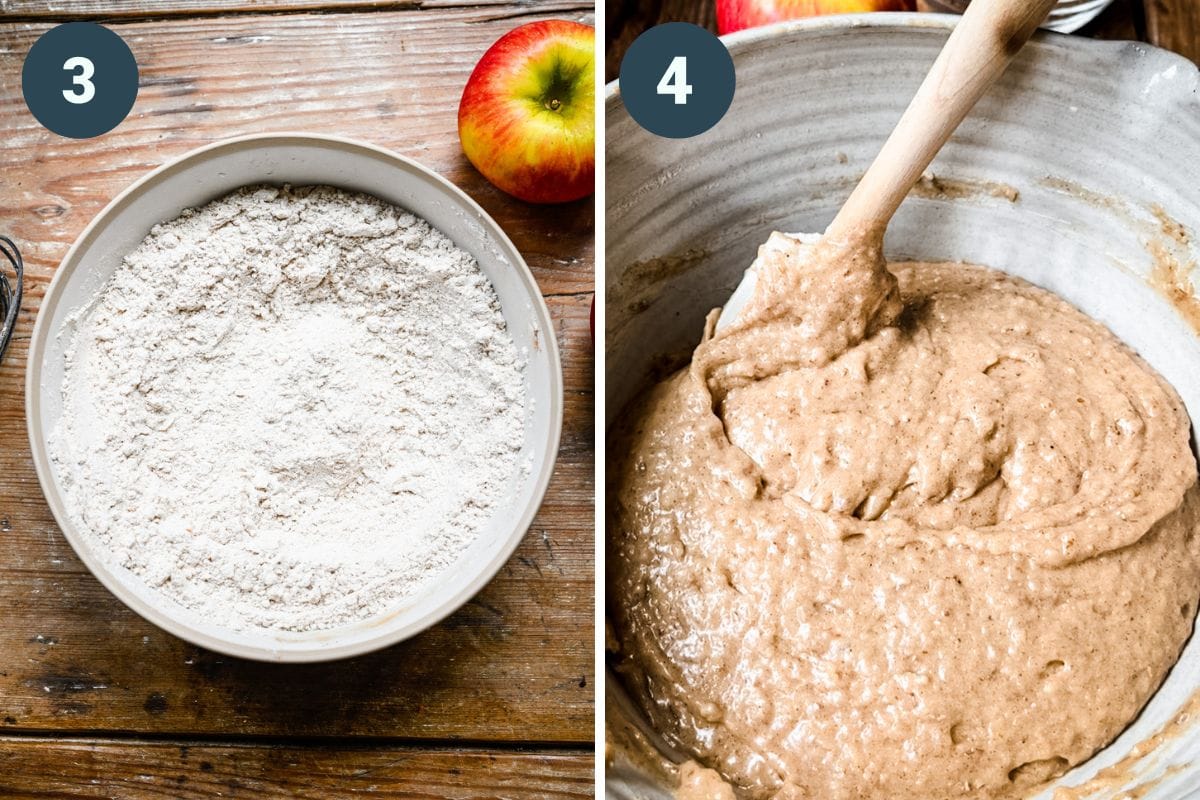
80	80
677	80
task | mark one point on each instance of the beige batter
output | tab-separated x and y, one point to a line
926	533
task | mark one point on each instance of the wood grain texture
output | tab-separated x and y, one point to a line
36	770
1175	25
516	663
63	10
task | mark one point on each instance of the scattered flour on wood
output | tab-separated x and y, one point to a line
291	409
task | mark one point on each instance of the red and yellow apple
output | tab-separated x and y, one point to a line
734	15
527	115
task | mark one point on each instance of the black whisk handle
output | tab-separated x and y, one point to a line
10	291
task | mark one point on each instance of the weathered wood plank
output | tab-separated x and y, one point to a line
1175	25
63	10
516	663
390	78
32	769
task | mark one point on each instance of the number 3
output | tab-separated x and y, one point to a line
86	89
674	81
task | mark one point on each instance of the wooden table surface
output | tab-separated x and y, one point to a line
1173	24
95	702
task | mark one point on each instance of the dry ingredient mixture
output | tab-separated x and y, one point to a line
291	409
911	534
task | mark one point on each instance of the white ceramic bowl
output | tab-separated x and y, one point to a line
1099	142
300	159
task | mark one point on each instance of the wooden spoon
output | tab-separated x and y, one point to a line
979	49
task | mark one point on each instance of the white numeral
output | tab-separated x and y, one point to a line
674	81
86	89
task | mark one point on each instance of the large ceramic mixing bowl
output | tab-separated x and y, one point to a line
300	159
1080	172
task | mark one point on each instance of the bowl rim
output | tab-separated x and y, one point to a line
899	20
155	613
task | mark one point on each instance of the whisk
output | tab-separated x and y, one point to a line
10	291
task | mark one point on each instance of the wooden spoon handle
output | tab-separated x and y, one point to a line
977	52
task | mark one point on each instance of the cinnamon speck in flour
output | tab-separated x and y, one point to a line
291	409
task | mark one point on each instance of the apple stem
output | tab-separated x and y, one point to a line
553	104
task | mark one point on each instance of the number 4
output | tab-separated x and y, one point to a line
674	81
85	90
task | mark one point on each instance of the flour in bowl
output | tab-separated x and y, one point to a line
291	409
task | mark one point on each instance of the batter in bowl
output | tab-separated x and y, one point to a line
926	532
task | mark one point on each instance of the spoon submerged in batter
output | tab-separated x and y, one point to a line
979	49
